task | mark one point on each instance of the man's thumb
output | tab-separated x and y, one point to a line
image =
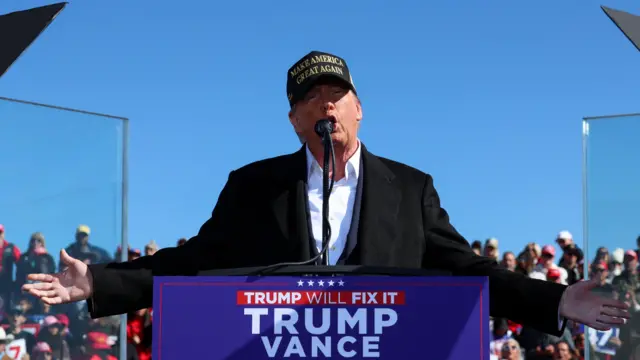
66	258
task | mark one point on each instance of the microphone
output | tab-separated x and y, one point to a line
323	128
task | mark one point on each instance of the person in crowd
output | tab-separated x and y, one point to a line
82	246
138	332
98	346
546	262
42	351
35	259
398	211
52	334
491	249
9	257
628	278
181	241
150	248
134	254
511	350
509	261
17	331
4	340
600	271
499	335
616	266
527	259
571	259
476	246
562	351
564	239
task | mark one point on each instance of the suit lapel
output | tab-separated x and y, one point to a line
379	210
289	205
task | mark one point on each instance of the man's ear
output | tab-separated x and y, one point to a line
293	119
358	109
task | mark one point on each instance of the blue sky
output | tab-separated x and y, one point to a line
487	96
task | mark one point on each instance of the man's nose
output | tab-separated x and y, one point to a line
328	105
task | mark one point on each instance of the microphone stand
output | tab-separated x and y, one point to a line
324	129
326	192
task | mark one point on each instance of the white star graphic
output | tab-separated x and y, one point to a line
330	282
310	282
340	283
321	283
300	283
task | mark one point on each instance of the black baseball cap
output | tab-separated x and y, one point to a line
312	67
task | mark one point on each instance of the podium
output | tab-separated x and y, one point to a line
333	312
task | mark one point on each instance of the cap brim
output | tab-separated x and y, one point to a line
628	23
18	30
323	79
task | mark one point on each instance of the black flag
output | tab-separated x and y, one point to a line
20	29
629	24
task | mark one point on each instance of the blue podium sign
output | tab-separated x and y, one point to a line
358	317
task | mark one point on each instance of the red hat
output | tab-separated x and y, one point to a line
553	273
631	253
98	340
63	319
549	250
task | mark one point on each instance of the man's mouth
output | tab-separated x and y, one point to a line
333	120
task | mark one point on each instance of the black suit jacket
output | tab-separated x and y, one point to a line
260	219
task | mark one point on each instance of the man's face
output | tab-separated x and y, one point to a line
631	263
562	352
547	260
510	261
331	100
19	320
510	350
570	259
563	242
82	238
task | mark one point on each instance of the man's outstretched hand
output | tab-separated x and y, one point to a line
71	285
580	304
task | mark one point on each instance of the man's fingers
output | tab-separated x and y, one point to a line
38	286
610	320
41	277
614	303
43	294
614	312
52	301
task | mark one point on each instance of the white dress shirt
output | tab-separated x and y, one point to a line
340	203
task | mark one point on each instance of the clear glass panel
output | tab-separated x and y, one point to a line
612	213
61	186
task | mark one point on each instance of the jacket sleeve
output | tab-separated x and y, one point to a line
514	296
119	288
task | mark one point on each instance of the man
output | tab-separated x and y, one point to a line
9	257
82	246
270	212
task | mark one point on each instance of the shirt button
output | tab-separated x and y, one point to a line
333	248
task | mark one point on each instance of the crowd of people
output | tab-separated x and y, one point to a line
564	262
31	329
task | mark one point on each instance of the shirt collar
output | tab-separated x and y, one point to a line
352	167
